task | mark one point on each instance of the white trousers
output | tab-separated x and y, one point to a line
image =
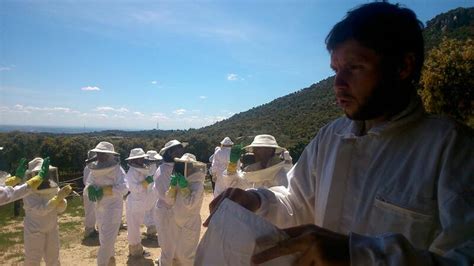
89	211
134	220
149	219
107	235
39	245
178	244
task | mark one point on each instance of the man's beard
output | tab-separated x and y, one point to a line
389	97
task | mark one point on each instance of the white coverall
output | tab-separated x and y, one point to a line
149	219
9	194
179	225
89	208
108	209
137	202
219	166
40	232
401	190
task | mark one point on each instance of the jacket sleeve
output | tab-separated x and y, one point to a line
161	185
9	194
120	187
286	207
454	244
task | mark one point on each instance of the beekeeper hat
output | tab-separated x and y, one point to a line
268	141
104	147
227	142
136	153
153	156
170	144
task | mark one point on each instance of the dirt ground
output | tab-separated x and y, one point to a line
77	251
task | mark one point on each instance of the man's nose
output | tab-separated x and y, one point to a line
340	80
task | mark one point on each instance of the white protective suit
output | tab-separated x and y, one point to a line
219	166
274	175
401	190
89	207
109	209
149	219
41	233
179	222
10	194
138	202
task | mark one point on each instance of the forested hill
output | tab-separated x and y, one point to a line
293	119
455	24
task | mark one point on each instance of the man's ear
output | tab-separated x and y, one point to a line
408	66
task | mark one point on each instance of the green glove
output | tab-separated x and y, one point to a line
20	171
182	182
174	180
95	194
149	179
91	192
235	153
44	168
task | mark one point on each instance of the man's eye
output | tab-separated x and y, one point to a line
355	67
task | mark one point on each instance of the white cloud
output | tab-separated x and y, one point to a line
90	88
232	77
5	69
202	97
159	116
154	82
18	106
138	113
179	111
111	109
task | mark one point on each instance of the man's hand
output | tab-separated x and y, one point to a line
312	244
247	199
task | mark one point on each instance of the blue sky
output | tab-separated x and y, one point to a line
182	64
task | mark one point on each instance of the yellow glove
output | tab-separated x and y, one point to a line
232	168
54	202
12	181
171	192
184	191
34	182
144	184
62	205
64	192
108	191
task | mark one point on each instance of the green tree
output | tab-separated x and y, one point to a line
447	81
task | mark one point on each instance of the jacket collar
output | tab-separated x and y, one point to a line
411	113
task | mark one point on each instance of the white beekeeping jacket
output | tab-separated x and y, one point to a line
408	179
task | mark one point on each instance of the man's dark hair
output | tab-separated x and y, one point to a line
390	30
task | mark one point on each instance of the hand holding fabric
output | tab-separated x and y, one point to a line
313	244
247	199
